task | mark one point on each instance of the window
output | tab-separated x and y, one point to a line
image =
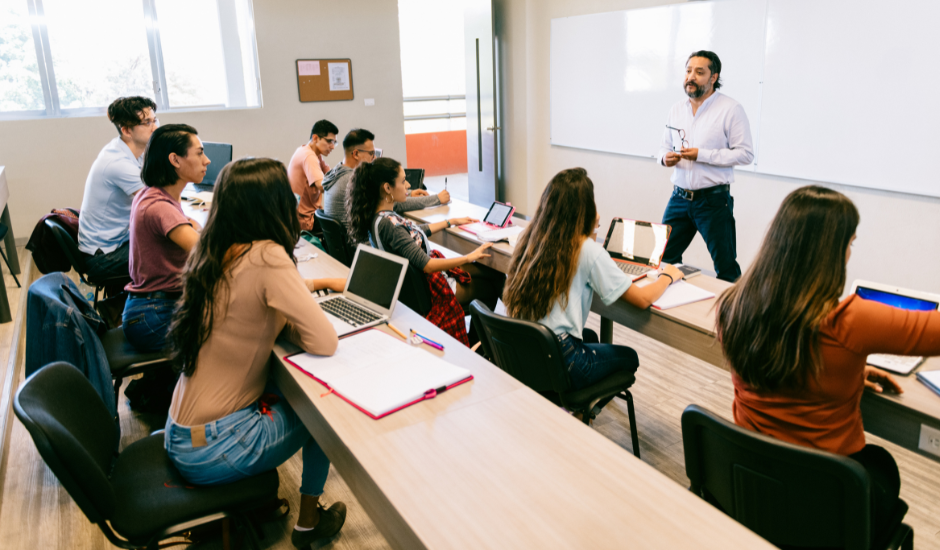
65	58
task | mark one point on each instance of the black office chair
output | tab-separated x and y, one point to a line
3	233
531	353
70	248
415	292
136	497
124	360
793	496
335	239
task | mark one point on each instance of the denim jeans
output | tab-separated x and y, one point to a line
146	322
589	363
711	215
101	266
246	443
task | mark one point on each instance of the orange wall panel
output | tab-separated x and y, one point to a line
439	153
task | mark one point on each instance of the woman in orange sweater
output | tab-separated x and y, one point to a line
798	354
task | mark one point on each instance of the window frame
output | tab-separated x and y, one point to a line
235	79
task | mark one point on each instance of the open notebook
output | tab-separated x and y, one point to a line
681	293
379	374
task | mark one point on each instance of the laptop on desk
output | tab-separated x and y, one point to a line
636	247
371	292
219	155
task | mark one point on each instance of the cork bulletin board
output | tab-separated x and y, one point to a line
324	79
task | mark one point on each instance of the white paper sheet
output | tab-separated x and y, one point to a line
339	77
380	373
680	294
308	68
505	234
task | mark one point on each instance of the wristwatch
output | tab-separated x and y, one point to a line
448	223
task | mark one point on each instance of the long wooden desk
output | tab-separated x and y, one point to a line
691	329
491	464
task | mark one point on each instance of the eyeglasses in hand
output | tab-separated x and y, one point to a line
685	142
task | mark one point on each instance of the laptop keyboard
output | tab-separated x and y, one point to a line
632	269
200	187
348	311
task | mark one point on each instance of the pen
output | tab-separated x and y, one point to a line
398	332
428	341
445	184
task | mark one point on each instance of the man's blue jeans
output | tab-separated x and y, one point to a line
711	215
246	443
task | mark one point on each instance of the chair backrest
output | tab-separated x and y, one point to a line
788	494
335	238
415	292
68	244
74	433
529	352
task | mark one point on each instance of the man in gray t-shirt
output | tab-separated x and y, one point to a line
359	147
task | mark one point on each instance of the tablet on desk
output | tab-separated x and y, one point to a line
498	217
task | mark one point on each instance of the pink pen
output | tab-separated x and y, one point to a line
427	341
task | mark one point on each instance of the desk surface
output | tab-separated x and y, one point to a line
490	464
691	329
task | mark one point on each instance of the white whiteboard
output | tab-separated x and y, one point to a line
835	90
850	93
614	76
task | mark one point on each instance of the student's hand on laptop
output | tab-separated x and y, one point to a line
879	380
478	253
444	196
673	272
419	193
335	284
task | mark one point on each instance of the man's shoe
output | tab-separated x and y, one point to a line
331	521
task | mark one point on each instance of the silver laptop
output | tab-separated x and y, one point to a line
636	247
371	292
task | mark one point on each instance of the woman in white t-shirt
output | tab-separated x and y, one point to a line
557	267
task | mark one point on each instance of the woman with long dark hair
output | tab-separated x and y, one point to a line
161	236
557	267
798	354
454	282
241	289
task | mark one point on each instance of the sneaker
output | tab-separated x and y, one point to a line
331	521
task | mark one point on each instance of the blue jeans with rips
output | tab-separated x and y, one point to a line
246	443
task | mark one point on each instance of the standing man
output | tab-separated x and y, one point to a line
306	169
359	147
712	134
114	179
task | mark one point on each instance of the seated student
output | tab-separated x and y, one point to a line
557	267
161	235
306	169
798	354
359	147
241	289
113	181
373	192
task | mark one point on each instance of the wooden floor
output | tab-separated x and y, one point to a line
35	512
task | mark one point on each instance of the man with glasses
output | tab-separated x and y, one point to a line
359	147
306	169
706	136
114	179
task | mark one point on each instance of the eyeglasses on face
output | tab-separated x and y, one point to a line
370	153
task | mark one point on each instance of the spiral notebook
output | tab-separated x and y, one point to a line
379	374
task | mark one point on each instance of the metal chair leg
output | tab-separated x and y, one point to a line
631	413
10	267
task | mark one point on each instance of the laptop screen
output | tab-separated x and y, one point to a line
896	300
219	155
374	278
640	242
415	177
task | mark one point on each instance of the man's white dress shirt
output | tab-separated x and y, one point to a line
721	133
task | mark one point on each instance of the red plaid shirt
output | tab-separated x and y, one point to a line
446	312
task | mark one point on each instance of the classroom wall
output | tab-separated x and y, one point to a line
48	160
899	236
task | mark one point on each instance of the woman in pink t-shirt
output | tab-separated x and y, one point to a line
161	235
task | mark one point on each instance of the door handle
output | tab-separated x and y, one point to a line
492	128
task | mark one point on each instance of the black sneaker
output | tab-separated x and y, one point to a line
331	521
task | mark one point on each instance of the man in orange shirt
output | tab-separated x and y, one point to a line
306	169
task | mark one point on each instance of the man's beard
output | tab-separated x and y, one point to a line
695	93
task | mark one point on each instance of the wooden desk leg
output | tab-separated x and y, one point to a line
10	244
607	331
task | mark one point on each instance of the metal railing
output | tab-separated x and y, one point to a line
434	98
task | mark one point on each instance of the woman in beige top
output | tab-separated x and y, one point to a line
241	289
